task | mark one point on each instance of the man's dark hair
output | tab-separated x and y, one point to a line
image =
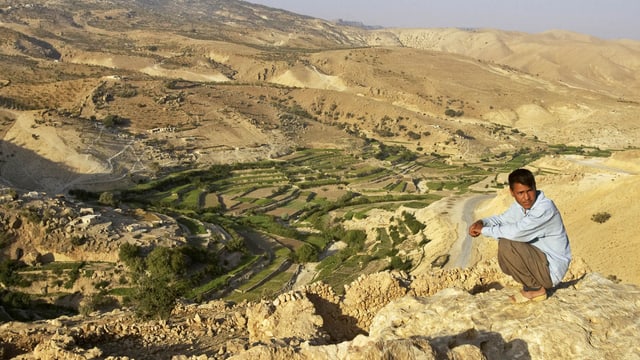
522	176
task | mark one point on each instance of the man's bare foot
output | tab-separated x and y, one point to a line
534	293
527	296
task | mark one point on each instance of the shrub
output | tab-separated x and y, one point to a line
453	113
99	301
601	217
113	120
14	299
412	223
74	275
9	275
305	253
108	198
102	284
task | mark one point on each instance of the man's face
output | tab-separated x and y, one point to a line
524	195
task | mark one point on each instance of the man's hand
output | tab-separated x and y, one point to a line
476	228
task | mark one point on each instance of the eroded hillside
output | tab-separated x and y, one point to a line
238	72
286	151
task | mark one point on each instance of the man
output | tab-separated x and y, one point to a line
533	246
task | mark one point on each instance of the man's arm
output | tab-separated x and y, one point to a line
525	229
476	228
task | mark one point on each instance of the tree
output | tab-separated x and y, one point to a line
166	262
127	252
305	253
160	284
155	297
113	120
130	255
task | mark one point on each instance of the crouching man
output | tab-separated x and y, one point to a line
533	246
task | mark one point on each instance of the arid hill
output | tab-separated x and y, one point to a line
228	81
100	96
232	69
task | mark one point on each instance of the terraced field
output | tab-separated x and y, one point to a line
287	211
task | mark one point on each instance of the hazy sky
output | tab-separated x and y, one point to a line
607	19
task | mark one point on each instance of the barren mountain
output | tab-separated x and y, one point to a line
230	68
100	96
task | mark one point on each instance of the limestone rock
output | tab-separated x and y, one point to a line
291	319
457	324
451	314
583	312
368	294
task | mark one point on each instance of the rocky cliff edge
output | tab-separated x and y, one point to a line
446	314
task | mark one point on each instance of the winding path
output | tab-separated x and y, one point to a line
462	214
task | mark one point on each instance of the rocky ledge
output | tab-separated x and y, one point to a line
447	314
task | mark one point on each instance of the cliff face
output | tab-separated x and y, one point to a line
448	314
580	321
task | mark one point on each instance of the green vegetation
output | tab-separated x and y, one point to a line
414	225
601	217
163	275
15	275
280	200
453	113
9	275
578	150
98	301
261	219
114	120
274	198
305	253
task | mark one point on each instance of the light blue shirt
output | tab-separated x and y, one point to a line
541	226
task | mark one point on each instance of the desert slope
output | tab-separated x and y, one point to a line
580	61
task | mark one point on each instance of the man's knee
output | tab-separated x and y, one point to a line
505	245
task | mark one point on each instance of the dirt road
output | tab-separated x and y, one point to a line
462	214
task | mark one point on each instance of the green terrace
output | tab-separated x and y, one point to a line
291	201
261	220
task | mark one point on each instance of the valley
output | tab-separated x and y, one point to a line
228	153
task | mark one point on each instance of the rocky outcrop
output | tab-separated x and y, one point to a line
43	229
448	314
581	320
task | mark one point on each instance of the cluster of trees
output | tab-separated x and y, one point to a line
401	153
114	120
163	275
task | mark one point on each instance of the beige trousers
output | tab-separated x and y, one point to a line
525	263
